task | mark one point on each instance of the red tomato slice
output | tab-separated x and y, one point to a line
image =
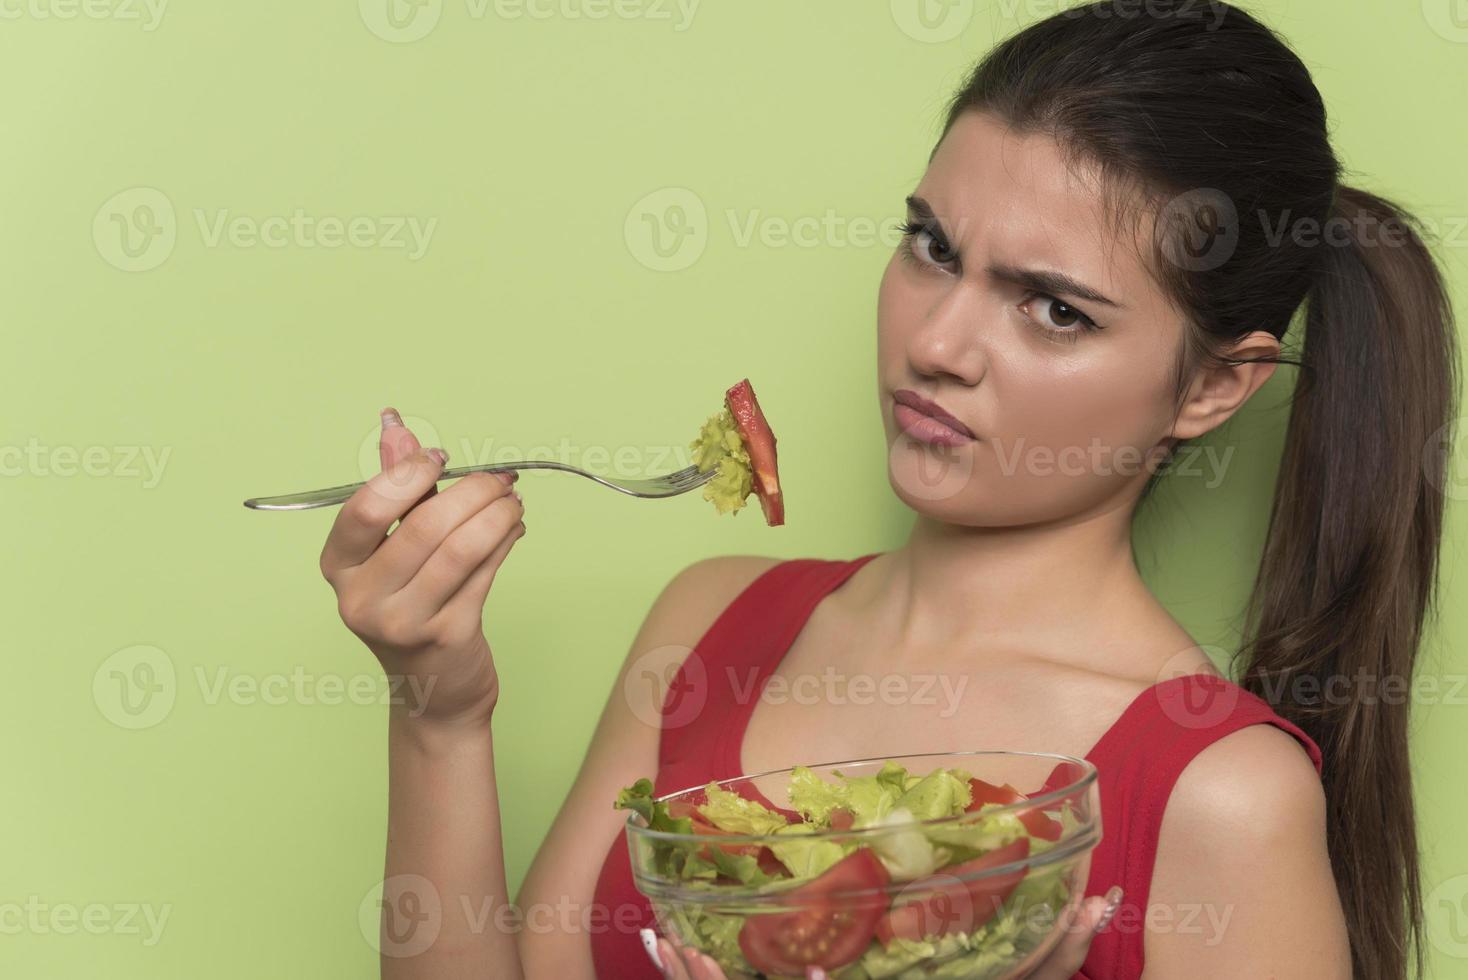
1034	820
760	442
768	863
828	928
956	906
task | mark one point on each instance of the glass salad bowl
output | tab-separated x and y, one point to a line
955	865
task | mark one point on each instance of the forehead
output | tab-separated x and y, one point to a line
1006	196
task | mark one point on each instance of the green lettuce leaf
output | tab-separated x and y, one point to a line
729	811
941	793
869	798
807	858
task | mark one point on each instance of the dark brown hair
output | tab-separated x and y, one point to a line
1202	123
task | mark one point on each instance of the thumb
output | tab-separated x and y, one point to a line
396	443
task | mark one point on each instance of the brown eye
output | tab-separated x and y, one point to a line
1059	319
1062	315
932	250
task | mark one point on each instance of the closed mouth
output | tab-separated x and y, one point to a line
918	403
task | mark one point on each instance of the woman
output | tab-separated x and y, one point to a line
1127	206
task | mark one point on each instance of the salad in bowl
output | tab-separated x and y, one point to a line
911	867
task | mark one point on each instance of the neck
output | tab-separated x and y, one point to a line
1045	587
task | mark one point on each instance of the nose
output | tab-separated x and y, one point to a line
949	339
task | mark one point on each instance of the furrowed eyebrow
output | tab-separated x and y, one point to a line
1039	280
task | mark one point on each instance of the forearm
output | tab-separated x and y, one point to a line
447	912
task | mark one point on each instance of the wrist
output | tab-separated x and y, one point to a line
436	736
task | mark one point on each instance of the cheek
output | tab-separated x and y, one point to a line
1075	402
1071	429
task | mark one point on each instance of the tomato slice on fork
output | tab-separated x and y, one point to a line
760	443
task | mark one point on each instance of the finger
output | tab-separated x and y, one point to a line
362	523
464	549
673	966
421	533
707	968
470	598
1078	928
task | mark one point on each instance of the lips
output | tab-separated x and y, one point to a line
921	405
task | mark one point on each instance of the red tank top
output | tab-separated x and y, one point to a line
1138	759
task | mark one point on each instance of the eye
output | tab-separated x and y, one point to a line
1060	317
927	245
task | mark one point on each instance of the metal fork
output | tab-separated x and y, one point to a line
684	480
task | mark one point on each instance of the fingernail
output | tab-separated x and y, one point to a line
667	954
1112	905
650	943
817	973
507	477
438	455
390	418
516	495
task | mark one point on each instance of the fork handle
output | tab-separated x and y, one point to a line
338	495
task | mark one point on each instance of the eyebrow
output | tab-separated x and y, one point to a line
1039	280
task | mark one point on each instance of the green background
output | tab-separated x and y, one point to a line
536	321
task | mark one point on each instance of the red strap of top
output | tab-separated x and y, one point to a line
1139	759
722	678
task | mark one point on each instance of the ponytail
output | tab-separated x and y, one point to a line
1349	569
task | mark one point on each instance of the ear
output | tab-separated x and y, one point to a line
1220	388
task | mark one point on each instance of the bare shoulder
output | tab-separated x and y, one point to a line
1242	862
1246	775
695	596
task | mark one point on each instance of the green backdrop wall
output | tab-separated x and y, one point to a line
233	231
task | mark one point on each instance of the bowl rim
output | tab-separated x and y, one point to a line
1089	776
778	893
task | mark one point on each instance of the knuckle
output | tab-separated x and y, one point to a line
457	632
462	549
398	630
352	612
416	529
366	508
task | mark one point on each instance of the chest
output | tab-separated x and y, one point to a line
840	694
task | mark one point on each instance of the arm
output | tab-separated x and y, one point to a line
1243	886
623	749
416	598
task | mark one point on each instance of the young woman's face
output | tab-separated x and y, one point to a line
1065	418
